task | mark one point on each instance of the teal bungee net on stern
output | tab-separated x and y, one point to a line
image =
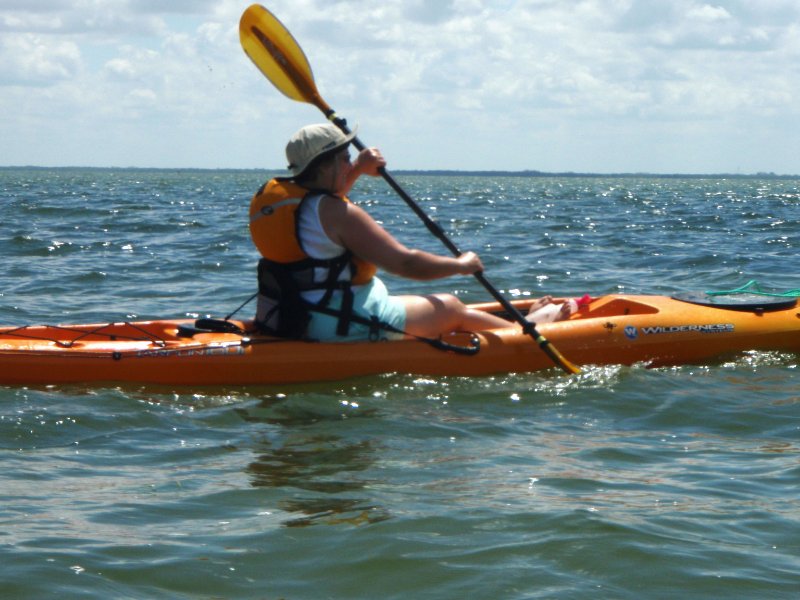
752	287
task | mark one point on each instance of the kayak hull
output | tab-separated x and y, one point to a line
615	329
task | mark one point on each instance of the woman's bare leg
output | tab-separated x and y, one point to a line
433	315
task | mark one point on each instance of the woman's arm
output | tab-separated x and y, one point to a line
353	228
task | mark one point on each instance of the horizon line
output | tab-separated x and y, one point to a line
442	172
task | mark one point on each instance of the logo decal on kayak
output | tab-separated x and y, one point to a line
226	350
710	328
631	333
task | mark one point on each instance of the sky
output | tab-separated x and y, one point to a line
600	86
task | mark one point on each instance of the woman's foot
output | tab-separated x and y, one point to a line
547	310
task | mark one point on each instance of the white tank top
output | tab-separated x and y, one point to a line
313	238
317	244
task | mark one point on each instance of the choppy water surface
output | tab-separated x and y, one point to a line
618	483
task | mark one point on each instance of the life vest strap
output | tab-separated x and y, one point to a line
284	284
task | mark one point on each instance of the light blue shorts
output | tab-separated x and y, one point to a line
372	299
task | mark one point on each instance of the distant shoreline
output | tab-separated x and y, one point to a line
598	175
443	172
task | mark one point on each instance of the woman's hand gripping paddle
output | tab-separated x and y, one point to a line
279	57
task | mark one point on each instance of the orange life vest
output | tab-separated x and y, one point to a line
286	270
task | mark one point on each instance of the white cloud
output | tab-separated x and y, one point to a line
143	97
707	13
602	85
32	59
121	66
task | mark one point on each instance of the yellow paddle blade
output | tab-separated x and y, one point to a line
278	55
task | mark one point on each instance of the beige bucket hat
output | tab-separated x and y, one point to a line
313	140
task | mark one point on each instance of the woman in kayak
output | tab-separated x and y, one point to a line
321	252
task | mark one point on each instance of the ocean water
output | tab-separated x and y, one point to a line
616	483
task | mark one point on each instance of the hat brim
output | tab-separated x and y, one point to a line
348	138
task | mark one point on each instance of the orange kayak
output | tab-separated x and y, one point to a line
615	329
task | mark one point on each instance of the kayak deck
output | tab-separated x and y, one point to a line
614	329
